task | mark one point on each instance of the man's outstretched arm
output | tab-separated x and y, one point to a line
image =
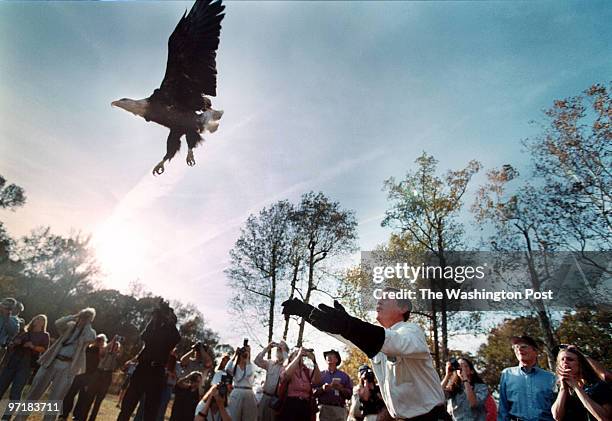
335	320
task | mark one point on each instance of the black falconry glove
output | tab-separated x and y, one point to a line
366	336
296	307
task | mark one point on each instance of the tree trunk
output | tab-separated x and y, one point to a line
549	338
443	306
296	270
544	320
444	316
272	303
434	327
308	292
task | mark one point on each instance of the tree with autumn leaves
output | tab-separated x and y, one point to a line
589	330
564	205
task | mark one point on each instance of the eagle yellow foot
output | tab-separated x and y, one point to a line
190	158
159	168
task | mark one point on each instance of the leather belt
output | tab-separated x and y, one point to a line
300	398
435	413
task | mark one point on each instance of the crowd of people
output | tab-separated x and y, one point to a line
400	383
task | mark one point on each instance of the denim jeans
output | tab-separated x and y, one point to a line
17	372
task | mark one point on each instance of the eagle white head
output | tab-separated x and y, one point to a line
135	106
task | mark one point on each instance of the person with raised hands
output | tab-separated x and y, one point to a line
242	402
296	384
465	390
273	368
581	396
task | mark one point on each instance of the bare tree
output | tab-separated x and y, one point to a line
327	230
297	257
259	260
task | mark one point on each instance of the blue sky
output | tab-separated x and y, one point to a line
332	96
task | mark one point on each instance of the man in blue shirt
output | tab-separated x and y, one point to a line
335	389
526	391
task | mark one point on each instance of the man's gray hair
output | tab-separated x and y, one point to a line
403	303
89	311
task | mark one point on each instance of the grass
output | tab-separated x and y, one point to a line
108	410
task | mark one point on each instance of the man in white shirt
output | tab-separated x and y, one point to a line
398	350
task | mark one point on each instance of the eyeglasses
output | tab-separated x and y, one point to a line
521	346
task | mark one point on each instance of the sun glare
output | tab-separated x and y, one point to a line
120	250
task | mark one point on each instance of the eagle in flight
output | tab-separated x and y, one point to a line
180	103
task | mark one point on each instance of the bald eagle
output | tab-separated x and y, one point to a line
180	103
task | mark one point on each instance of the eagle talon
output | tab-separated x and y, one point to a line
159	169
190	159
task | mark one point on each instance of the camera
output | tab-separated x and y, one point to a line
226	380
163	311
367	373
243	349
306	357
454	363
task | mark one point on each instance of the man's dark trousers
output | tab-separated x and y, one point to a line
78	384
148	380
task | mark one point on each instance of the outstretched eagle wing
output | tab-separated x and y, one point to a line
191	69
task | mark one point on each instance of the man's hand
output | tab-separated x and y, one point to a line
296	307
331	319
